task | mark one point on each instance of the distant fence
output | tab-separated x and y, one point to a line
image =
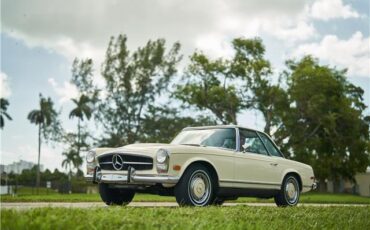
46	188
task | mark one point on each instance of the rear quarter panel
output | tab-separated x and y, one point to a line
304	171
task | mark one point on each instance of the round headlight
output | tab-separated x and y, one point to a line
90	157
162	155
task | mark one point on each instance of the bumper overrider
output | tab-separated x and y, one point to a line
130	177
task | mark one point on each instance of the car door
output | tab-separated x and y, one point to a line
254	167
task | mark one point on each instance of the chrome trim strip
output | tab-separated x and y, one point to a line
237	134
268	137
127	163
137	163
249	182
123	152
264	145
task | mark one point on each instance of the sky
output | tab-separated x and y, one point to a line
40	39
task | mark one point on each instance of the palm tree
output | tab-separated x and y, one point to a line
82	109
72	158
42	117
3	107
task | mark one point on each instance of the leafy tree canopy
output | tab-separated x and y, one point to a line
324	125
133	82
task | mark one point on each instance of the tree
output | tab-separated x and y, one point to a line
72	158
324	125
82	109
45	117
226	87
134	81
259	92
4	103
207	88
76	142
82	78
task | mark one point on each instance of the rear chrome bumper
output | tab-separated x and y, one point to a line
314	186
130	177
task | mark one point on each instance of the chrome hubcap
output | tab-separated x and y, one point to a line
199	187
291	191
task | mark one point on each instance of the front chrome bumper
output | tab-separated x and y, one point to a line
131	177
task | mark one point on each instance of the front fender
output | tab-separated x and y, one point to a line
193	160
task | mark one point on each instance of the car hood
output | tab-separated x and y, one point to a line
150	149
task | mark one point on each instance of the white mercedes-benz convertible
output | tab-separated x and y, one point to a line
201	166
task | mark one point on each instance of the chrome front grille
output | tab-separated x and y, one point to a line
135	161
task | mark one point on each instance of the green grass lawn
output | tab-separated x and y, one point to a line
238	217
33	191
305	198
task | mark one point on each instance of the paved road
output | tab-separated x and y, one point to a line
28	205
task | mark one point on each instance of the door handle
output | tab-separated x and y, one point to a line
274	164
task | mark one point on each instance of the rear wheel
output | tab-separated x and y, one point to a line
115	196
196	187
289	193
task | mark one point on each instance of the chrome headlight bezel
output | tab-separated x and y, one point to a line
90	156
162	159
162	156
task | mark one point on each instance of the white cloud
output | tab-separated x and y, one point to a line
214	45
66	92
290	29
4	86
353	53
330	9
63	45
82	28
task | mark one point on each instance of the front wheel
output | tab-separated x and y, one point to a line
289	193
196	187
115	196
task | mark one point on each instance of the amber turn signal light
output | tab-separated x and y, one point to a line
176	167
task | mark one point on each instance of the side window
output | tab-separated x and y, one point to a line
250	142
270	146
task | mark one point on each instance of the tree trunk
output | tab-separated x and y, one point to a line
70	180
78	136
322	186
267	116
235	122
38	162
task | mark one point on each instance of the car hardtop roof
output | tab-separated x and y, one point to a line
219	127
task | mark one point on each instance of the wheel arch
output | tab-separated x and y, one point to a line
203	162
295	174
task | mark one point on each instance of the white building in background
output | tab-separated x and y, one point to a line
18	167
363	183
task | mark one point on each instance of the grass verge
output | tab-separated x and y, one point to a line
238	217
305	198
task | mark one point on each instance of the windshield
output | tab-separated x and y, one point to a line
223	138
